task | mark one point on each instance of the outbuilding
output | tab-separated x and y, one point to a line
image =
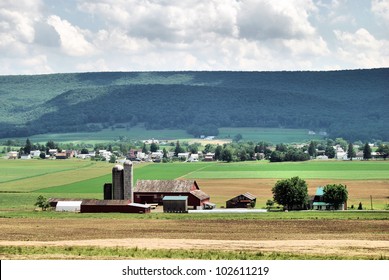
246	200
68	206
175	204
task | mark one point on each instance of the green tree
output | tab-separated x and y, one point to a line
291	193
42	202
164	154
227	155
330	151
342	143
218	152
367	152
28	147
178	149
383	150
312	149
335	194
154	147
144	149
112	159
350	151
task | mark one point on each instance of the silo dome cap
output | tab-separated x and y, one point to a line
117	167
128	162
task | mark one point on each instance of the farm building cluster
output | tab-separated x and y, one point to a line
176	196
122	196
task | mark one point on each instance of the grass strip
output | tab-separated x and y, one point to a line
112	253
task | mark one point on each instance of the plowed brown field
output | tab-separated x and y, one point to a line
356	238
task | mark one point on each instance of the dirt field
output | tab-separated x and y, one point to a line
356	238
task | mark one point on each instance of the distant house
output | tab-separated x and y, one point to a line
153	192
35	153
193	158
53	152
25	156
183	156
246	200
61	155
319	203
209	157
13	155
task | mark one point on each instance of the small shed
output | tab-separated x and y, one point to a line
246	200
68	206
175	204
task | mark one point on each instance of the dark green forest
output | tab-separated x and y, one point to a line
351	104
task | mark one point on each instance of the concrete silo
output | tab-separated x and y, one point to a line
117	182
128	180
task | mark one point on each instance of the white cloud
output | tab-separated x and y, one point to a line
362	49
72	38
381	9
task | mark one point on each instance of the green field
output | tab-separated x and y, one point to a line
357	170
272	135
106	135
255	134
22	181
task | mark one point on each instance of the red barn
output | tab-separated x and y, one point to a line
153	191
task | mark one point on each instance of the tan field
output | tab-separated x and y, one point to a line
358	190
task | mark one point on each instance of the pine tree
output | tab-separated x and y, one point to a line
367	152
351	152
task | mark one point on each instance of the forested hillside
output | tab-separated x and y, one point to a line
350	104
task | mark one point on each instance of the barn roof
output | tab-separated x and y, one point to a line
200	194
105	202
247	195
165	186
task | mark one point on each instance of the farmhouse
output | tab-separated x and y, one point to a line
153	191
319	203
246	200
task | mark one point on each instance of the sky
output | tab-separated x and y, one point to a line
67	36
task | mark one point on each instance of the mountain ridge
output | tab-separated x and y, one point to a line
347	103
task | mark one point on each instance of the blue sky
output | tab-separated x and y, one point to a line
57	36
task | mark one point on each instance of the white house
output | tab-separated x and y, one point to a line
35	153
193	158
25	156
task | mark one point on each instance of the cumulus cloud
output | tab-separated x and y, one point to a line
381	9
109	35
72	38
362	49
